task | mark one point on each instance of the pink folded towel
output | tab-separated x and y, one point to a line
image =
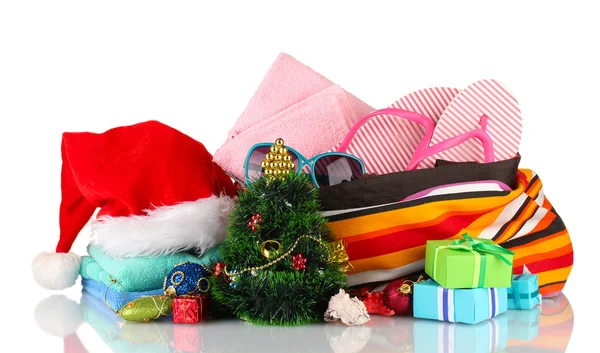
293	102
287	82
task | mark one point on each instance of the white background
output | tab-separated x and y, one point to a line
91	66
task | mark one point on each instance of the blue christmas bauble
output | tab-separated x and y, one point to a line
187	278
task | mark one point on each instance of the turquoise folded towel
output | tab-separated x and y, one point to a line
137	274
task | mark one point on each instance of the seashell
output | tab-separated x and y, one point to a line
351	311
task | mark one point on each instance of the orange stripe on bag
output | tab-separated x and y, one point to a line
541	246
553	276
544	222
390	261
567	249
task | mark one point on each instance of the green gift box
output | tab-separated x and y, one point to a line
469	263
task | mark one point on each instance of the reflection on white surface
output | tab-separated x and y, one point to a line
545	329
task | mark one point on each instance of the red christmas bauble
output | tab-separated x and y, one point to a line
394	299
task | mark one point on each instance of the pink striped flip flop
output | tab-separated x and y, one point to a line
504	126
386	143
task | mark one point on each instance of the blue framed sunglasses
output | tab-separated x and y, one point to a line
326	169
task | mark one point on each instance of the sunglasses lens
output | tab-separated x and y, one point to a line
332	170
255	170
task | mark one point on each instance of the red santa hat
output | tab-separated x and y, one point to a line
158	190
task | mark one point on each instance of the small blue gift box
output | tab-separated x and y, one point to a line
523	325
446	337
470	306
523	294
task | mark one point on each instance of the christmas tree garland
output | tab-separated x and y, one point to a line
236	273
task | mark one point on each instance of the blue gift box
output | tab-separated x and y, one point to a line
446	337
523	325
523	294
470	306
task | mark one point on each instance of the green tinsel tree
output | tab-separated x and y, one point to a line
269	289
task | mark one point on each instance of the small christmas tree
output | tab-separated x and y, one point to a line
280	267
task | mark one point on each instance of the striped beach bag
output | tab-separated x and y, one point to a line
385	231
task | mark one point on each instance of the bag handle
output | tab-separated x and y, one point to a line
423	149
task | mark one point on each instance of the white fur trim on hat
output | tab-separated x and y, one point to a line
56	270
198	225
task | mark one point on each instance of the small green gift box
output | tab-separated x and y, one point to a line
469	263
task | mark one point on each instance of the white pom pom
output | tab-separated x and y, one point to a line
56	270
58	315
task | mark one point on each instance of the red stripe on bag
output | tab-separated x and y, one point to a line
409	238
551	263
